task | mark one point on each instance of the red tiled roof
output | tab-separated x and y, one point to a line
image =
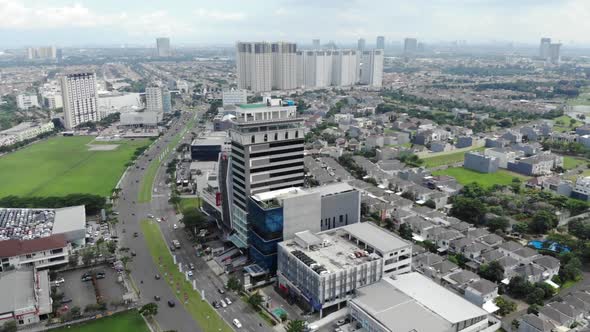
11	248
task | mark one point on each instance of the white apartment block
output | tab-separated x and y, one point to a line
345	67
80	98
371	69
26	101
49	52
234	97
153	99
284	66
316	70
583	185
53	100
254	66
163	47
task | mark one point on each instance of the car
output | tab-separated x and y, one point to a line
158	219
237	323
190	273
59	281
157	276
65	300
133	253
87	278
340	322
227	300
191	266
171	303
221	291
156	297
172	248
175	226
115	213
223	304
135	234
151	216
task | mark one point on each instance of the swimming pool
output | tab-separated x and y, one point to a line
553	246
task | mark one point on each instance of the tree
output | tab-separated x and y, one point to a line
193	219
11	327
506	306
520	227
296	326
469	209
542	222
149	310
535	296
492	271
75	311
430	203
233	283
255	300
112	246
518	287
284	317
570	267
499	223
405	231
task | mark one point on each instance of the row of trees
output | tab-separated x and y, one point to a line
93	203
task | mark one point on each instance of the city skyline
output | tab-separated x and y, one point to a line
29	23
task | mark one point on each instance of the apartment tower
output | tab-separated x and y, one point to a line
372	68
254	65
284	66
80	101
163	46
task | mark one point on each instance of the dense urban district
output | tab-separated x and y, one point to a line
273	186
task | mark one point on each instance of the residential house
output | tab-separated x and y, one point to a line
533	323
504	155
480	292
540	164
512	136
496	143
440	146
464	142
480	163
549	264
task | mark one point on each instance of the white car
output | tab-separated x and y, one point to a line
175	226
223	304
227	300
190	273
237	323
158	219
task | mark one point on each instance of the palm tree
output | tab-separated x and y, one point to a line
149	310
296	326
255	300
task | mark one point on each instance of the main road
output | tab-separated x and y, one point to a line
143	269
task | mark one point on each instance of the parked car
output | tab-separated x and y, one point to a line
175	226
156	297
135	234
65	300
157	276
223	304
227	300
59	281
191	266
237	323
221	291
190	273
171	303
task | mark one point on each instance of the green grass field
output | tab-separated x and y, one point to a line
188	203
200	310
465	176
563	124
126	321
573	162
145	192
583	99
447	159
64	165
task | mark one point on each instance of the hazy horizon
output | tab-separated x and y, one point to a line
109	22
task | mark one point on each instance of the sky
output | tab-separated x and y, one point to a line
197	22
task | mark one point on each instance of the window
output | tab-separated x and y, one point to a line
276	136
252	139
266	137
297	134
286	135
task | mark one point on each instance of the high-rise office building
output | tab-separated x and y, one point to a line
544	48
372	68
380	44
284	66
315	43
80	101
163	46
157	100
266	154
254	66
554	53
410	45
361	44
345	67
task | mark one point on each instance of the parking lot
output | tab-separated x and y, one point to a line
82	292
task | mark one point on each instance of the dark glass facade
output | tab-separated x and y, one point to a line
266	231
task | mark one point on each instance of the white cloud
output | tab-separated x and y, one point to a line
216	15
15	15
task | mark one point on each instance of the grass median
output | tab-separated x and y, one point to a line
147	183
201	311
126	321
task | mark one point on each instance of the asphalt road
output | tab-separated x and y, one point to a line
142	266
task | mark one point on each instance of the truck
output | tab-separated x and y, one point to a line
176	244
